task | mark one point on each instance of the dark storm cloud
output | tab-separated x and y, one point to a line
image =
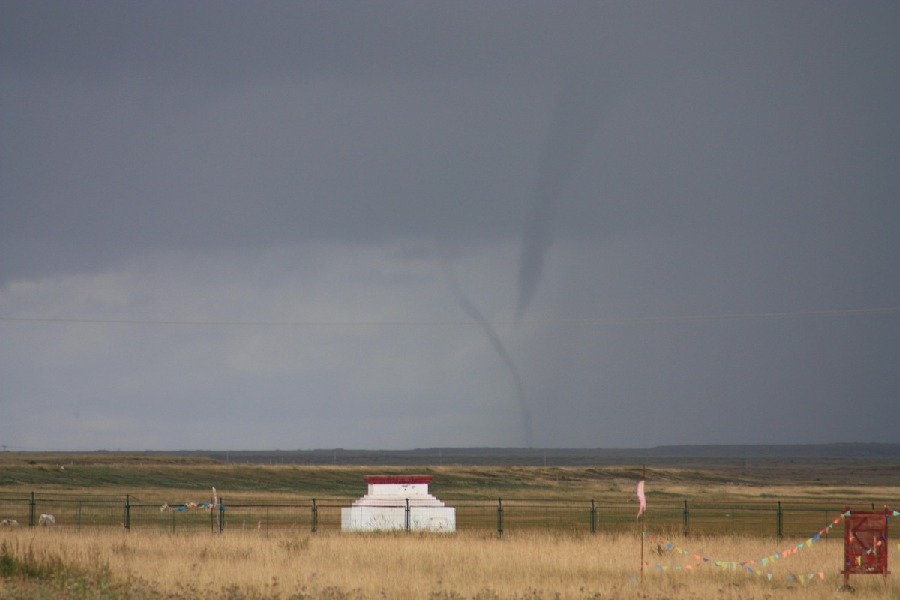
196	123
598	166
207	124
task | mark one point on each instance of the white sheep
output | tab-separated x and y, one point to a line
47	519
9	523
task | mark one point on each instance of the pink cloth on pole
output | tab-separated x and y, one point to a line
641	498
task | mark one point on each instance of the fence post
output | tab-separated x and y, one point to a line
31	512
780	522
221	515
315	516
686	519
127	512
500	517
593	516
407	515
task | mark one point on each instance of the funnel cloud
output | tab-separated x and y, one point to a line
576	118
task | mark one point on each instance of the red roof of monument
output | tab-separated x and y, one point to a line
399	479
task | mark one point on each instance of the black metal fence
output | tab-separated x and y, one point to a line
764	518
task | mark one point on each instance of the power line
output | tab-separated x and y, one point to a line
747	316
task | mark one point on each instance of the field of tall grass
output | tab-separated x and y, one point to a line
267	559
46	563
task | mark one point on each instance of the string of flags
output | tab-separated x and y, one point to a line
758	566
753	567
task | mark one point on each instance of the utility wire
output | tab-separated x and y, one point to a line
832	313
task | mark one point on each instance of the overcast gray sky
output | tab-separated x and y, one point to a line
392	225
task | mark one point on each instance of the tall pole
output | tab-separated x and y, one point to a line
642	546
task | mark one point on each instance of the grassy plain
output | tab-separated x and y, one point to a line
112	564
250	563
167	475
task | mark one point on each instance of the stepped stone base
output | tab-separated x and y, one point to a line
398	502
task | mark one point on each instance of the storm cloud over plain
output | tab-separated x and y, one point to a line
229	224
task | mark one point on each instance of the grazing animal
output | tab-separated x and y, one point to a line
9	523
47	519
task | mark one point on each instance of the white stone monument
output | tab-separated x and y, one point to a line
398	502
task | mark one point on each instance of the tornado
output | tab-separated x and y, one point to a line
472	311
575	121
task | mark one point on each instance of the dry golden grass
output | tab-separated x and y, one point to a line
250	563
400	566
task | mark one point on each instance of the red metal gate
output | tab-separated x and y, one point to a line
865	543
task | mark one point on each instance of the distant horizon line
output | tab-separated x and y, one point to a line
522	449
